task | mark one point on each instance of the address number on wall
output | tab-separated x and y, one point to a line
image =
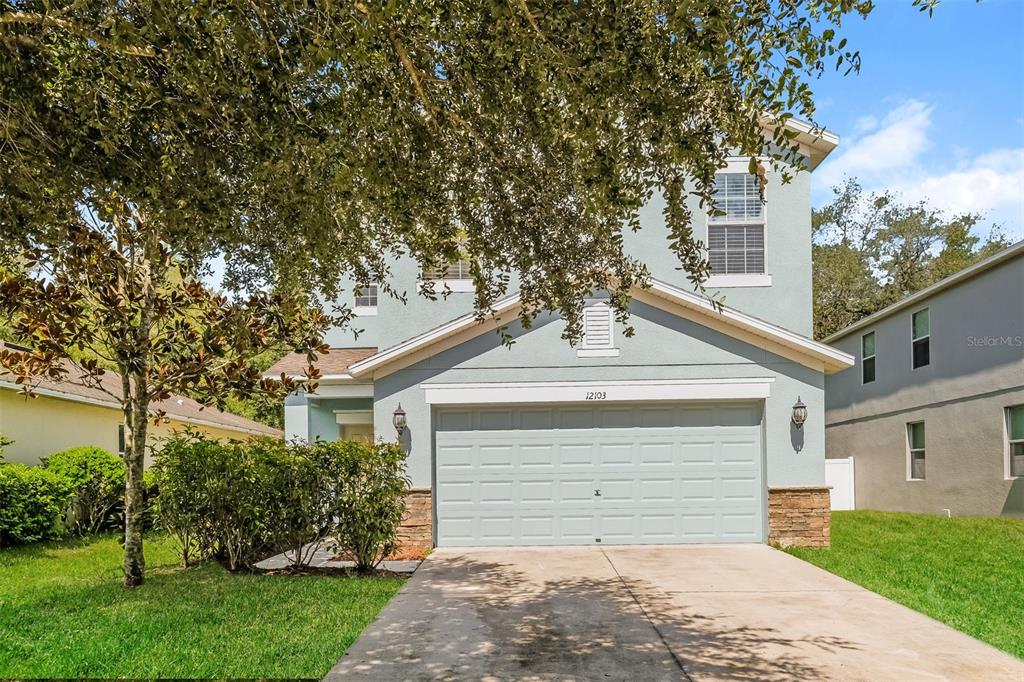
596	395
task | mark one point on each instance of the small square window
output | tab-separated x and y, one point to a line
1015	439
920	338
867	357
366	297
916	451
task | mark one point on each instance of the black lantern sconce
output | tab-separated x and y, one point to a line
799	413
398	419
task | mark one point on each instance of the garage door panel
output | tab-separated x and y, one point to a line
666	474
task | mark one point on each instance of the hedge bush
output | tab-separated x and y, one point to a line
97	477
244	501
370	499
33	501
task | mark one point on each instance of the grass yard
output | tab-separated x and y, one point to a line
965	572
63	613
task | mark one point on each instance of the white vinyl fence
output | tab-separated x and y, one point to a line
839	475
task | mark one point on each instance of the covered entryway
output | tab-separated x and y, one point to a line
581	474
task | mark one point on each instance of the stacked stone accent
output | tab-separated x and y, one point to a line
799	516
417	529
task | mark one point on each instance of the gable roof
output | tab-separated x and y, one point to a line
771	337
176	407
1009	253
334	363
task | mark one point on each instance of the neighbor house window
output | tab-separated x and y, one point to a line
1015	436
736	237
921	335
120	439
598	331
915	446
867	357
366	297
459	270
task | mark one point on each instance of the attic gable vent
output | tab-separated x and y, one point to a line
598	332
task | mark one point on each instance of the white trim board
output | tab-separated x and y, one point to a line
761	334
756	388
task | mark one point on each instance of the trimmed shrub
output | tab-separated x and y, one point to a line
97	478
300	501
370	499
33	501
244	501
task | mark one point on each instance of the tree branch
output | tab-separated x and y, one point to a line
12	18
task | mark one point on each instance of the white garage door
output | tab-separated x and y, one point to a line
614	474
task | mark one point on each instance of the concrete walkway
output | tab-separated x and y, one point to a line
740	612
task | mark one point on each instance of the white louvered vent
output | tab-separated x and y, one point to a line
597	327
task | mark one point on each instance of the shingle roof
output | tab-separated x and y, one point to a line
176	407
337	361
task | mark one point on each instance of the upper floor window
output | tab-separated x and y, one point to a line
920	338
598	332
366	297
915	451
1015	438
736	236
459	270
867	357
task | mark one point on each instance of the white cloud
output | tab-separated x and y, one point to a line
900	138
889	154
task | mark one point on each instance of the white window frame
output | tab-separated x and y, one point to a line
927	337
461	283
365	310
747	279
911	450
588	348
873	356
1008	445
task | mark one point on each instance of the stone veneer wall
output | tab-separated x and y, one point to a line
417	529
799	516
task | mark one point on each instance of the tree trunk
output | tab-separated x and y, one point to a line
134	490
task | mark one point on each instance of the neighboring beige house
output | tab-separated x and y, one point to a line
65	414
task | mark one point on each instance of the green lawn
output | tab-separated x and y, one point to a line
63	613
965	572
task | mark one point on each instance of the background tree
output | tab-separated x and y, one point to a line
301	141
871	250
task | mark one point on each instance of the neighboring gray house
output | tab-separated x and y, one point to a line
681	433
933	412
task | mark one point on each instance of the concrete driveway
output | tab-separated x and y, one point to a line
738	612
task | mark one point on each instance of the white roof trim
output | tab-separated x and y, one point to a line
113	405
432	336
807	351
1006	254
817	142
755	388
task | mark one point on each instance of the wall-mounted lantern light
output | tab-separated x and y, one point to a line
799	413
398	419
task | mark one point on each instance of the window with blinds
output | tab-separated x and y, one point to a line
458	270
736	236
598	326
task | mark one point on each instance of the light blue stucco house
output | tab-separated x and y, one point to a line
683	433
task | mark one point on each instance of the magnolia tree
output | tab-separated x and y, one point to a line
302	141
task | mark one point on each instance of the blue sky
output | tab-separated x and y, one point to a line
937	110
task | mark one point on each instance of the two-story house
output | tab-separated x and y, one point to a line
933	412
691	431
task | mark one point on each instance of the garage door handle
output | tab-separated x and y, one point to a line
597	493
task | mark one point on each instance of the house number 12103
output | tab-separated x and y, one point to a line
596	395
